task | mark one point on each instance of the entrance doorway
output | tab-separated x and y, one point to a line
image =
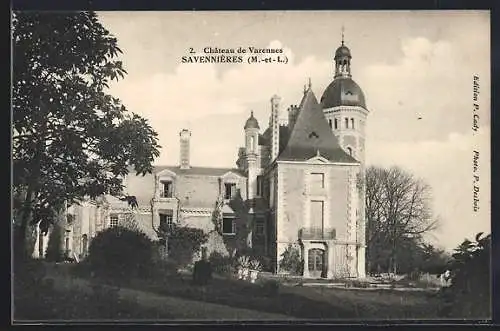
316	263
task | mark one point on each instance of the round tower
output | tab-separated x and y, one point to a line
251	153
344	106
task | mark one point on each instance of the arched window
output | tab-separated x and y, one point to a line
330	123
336	124
352	123
252	143
349	150
346	123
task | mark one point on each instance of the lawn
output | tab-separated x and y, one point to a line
43	302
297	301
39	299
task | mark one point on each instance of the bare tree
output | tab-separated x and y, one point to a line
397	209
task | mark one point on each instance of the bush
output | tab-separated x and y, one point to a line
118	252
469	294
54	251
291	261
202	272
221	264
184	242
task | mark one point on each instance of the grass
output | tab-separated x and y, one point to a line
299	302
42	302
38	299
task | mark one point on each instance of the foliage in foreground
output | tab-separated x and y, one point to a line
469	295
291	261
67	128
119	252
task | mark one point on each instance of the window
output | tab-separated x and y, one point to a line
336	123
230	190
349	150
167	189
113	220
252	144
346	123
228	226
259	185
259	227
317	214
317	181
330	123
352	123
166	219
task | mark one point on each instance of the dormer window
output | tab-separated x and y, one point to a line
230	190
166	189
349	150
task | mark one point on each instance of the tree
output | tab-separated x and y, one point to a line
183	242
398	214
469	295
71	139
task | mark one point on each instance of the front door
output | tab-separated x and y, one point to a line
316	263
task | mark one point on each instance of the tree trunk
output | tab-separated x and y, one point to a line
21	246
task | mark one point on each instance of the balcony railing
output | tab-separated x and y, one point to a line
317	233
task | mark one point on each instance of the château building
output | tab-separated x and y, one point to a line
296	184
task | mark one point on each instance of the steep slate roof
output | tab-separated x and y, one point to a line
311	134
201	171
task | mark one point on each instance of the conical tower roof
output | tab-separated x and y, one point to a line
311	135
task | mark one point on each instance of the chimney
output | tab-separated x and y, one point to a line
185	136
293	112
275	129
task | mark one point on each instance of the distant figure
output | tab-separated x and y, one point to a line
445	278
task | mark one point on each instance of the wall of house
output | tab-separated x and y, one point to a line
142	187
294	196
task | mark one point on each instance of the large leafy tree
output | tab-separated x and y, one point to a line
71	139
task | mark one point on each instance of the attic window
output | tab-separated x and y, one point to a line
313	134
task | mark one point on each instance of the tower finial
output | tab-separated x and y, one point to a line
251	113
343	29
309	83
305	88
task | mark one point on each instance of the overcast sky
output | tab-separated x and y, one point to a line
409	65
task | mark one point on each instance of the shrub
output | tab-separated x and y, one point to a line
291	261
469	294
118	251
202	272
221	264
54	251
184	242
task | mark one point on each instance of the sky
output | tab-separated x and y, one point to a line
410	65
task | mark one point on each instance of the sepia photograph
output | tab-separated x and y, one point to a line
236	166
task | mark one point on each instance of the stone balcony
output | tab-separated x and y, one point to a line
317	233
